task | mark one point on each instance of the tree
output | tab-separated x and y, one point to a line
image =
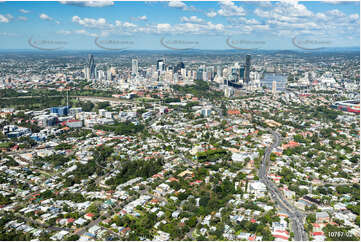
191	222
63	146
73	237
311	218
203	201
93	208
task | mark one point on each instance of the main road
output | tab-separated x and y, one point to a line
295	216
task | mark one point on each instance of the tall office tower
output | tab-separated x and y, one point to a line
109	74
247	69
241	73
204	76
101	75
274	87
194	75
161	65
149	73
91	66
134	67
178	67
87	73
183	73
199	75
210	73
219	71
169	76
235	73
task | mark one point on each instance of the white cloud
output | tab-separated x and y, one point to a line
9	16
99	4
333	2
22	18
45	17
264	4
336	13
24	11
211	14
228	8
180	4
84	32
4	19
292	18
177	4
193	19
91	23
144	18
354	16
321	16
289	9
163	27
217	27
129	25
140	18
188	27
248	21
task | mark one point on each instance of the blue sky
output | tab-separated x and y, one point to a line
176	24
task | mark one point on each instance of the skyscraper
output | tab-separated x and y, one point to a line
274	87
91	66
247	69
178	67
134	67
241	73
109	74
161	65
199	75
219	71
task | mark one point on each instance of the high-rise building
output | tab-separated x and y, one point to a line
109	74
161	65
274	87
134	67
228	91
178	67
87	73
210	73
247	69
91	66
219	71
101	75
241	73
199	75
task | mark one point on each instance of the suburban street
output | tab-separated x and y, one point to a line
295	216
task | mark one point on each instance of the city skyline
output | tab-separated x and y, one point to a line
180	121
178	25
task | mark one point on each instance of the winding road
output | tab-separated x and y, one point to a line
295	216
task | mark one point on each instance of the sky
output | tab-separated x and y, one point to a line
162	25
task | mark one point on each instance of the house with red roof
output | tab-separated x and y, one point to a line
275	178
281	234
89	216
70	220
291	144
172	179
